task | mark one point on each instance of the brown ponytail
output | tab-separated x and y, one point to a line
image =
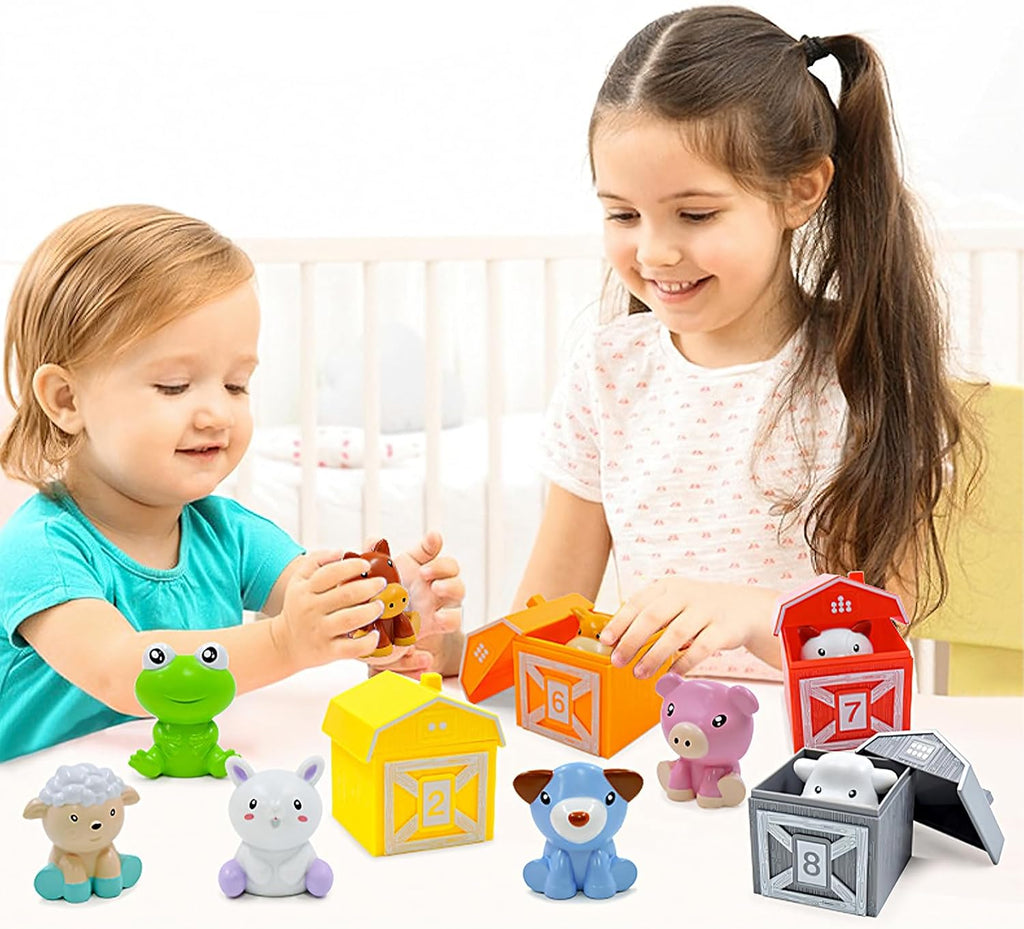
888	339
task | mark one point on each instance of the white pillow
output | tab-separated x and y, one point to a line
340	386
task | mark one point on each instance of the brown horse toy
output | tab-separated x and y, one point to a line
395	626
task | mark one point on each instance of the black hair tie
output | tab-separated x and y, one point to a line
813	49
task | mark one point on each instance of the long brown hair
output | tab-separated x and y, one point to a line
93	287
742	89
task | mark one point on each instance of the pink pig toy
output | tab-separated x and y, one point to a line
709	725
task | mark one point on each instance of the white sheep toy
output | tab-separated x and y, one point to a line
275	812
82	809
843	777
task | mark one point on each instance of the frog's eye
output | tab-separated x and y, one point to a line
157	656
212	656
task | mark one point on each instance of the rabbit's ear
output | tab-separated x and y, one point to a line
311	769
239	770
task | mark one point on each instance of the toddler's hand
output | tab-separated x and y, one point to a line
436	592
699	618
324	601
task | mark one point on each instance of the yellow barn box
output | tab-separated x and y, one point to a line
568	694
411	768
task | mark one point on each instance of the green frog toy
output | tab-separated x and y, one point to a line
184	693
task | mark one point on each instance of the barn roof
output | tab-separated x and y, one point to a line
356	717
880	603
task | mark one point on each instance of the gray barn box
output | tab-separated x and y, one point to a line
839	858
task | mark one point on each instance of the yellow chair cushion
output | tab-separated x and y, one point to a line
983	615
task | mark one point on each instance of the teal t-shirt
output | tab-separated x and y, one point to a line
228	560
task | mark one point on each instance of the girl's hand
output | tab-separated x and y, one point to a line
324	601
699	618
436	592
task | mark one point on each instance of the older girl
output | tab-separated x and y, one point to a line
775	402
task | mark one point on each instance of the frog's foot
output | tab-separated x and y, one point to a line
216	761
148	764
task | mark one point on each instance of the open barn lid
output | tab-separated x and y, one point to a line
947	795
832	600
486	667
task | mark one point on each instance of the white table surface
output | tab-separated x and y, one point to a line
694	864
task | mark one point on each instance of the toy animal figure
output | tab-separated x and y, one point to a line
837	642
184	693
843	777
579	807
82	809
275	813
591	625
395	626
709	726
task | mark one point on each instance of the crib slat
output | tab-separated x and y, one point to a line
432	397
372	378
550	328
1020	315
976	309
308	530
550	345
431	248
494	560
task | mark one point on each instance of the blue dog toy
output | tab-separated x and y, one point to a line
579	807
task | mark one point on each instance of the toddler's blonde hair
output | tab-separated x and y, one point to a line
95	286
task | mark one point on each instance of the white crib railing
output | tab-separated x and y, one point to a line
982	266
428	254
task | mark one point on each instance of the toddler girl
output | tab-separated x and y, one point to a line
775	402
131	338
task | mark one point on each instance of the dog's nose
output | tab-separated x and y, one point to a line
579	819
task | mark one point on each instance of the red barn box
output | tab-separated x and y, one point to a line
837	703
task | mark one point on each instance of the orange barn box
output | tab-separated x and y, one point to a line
837	703
565	693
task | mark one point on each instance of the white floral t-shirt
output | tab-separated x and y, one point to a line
682	461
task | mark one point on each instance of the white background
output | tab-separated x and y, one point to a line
315	118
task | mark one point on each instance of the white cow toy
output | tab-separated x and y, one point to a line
837	642
275	813
843	777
